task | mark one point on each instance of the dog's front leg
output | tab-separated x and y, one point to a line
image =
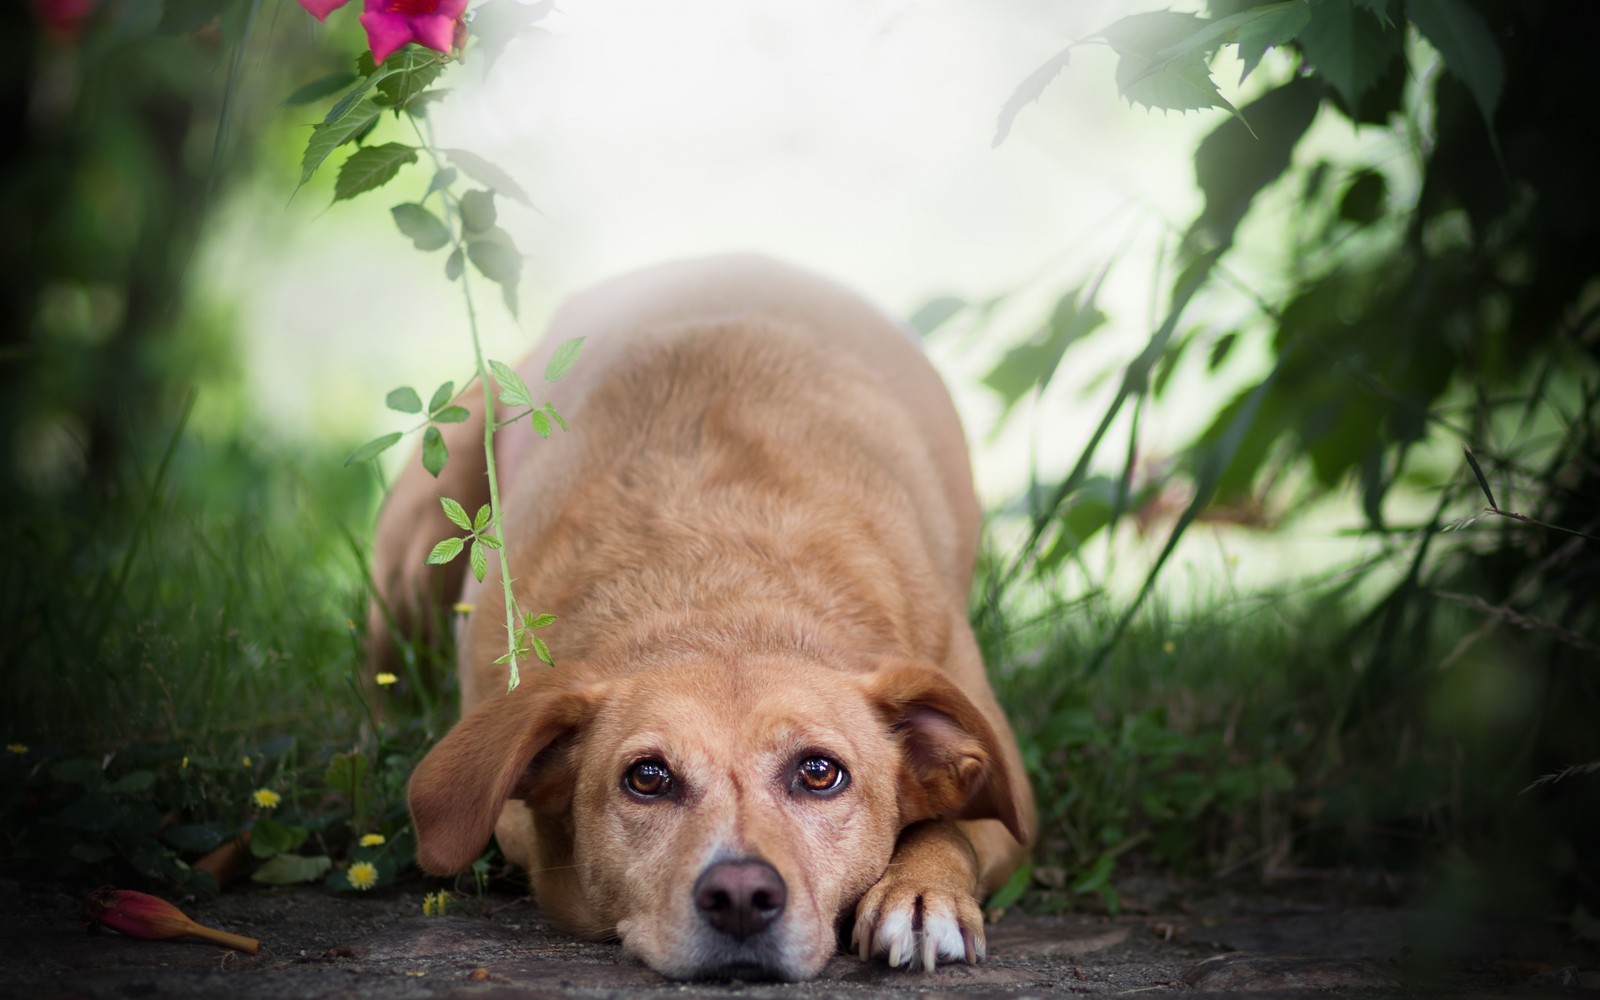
925	908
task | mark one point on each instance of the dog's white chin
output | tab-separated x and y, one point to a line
706	955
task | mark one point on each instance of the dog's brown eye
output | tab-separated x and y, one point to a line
648	779
820	776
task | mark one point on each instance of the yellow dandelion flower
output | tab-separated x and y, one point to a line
1168	646
184	763
435	903
385	679
246	760
363	875
266	798
462	608
371	840
16	748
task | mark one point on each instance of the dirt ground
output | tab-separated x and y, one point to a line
1201	939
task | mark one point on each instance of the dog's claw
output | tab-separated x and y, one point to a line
917	930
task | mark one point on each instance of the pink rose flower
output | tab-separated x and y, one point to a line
391	24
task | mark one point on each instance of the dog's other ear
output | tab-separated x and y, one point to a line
952	764
458	790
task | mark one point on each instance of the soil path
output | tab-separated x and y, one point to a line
318	945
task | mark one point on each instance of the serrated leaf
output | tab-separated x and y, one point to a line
513	390
540	621
441	396
413	73
489	540
487	174
497	259
481	521
292	869
452	265
319	88
561	362
434	451
541	423
372	449
456	513
418	105
371	167
542	651
404	399
329	136
477	211
1274	25
935	313
555	416
1233	164
451	415
499	21
444	551
1348	48
1467	46
427	231
1028	91
479	560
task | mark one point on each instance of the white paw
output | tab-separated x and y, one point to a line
910	928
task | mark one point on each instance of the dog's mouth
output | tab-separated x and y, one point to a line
745	971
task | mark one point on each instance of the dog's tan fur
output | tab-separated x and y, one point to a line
758	536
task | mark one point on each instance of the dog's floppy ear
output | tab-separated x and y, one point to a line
953	766
458	790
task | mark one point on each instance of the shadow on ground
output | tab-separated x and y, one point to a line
315	944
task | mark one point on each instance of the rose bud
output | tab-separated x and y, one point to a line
140	915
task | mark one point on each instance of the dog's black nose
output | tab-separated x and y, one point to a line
739	898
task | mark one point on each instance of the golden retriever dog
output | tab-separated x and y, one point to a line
768	722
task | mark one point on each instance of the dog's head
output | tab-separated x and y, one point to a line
721	820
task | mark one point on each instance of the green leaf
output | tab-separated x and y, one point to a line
1271	26
456	513
442	179
195	838
452	266
489	540
133	783
319	88
372	449
479	560
371	167
292	869
477	211
482	520
542	651
441	396
347	772
269	837
487	174
1348	48
1467	46
539	621
330	135
563	359
1034	363
513	390
426	230
498	21
541	423
445	551
496	258
1147	75
452	415
1007	895
434	451
555	416
79	771
413	72
404	399
935	313
1028	91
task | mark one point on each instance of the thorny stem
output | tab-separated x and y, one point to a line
496	515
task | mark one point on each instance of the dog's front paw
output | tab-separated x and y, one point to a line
924	909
